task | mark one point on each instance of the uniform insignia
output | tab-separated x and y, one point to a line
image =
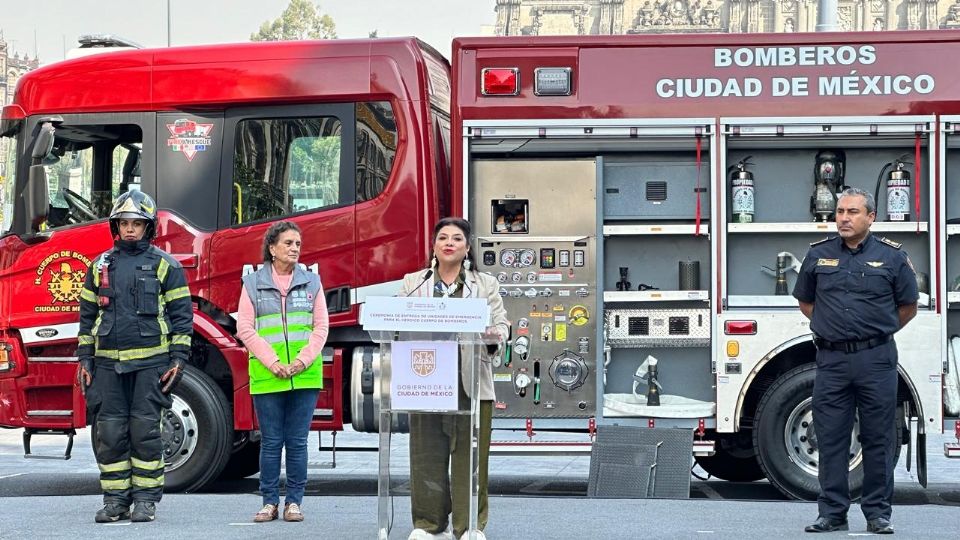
875	264
819	241
828	262
891	243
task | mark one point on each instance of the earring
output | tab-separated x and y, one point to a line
467	264
433	262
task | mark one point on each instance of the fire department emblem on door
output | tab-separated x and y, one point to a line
423	362
62	273
65	283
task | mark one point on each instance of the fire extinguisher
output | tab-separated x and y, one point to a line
741	192
898	189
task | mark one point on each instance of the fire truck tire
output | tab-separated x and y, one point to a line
197	433
244	461
785	441
735	459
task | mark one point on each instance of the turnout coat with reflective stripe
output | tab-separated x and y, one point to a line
149	313
287	331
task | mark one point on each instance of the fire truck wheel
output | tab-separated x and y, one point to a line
244	461
197	433
786	443
735	459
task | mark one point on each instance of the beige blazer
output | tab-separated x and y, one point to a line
478	285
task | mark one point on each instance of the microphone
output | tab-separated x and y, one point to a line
426	277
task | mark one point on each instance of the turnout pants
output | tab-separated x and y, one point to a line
125	408
434	440
864	381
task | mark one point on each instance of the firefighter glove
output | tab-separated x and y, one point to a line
171	377
85	374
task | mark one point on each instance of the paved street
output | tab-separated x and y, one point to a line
531	498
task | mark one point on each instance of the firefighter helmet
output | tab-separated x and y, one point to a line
134	205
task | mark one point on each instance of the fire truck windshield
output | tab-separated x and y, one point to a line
8	170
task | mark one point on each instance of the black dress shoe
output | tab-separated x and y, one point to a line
823	524
879	526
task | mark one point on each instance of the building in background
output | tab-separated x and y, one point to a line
560	17
11	69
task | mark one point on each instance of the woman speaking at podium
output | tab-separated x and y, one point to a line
434	438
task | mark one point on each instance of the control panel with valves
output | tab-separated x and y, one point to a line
539	240
549	369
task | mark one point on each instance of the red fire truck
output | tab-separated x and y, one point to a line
645	200
626	191
346	138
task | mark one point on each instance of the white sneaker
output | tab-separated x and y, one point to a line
477	535
420	534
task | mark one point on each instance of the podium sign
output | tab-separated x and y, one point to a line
424	375
416	314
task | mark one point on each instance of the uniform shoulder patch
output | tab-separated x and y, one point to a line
818	242
889	242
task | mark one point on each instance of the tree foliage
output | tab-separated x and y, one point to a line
301	20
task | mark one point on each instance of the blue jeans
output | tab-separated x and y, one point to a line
284	419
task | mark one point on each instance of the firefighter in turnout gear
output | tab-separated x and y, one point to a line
136	321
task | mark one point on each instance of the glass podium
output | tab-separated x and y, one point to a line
431	380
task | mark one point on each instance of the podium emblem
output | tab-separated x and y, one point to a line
423	362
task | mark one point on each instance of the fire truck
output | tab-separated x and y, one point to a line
645	202
628	193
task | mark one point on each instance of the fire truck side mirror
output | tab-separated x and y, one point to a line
35	197
43	143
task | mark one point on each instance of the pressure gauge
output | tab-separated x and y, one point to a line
522	380
528	257
508	258
521	347
502	277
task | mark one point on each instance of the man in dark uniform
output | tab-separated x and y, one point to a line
857	290
136	322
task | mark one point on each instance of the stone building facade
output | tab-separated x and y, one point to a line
12	67
569	17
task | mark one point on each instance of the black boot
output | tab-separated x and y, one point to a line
879	526
823	524
143	512
112	512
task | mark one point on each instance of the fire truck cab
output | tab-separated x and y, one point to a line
345	138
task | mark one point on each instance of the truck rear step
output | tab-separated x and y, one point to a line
28	434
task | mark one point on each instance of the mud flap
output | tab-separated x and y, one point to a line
922	458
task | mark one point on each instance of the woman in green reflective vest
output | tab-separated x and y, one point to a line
438	440
283	322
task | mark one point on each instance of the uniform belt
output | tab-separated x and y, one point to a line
851	346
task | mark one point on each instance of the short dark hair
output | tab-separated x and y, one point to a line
273	234
464	227
868	201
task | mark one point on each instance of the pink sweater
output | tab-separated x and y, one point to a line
247	328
